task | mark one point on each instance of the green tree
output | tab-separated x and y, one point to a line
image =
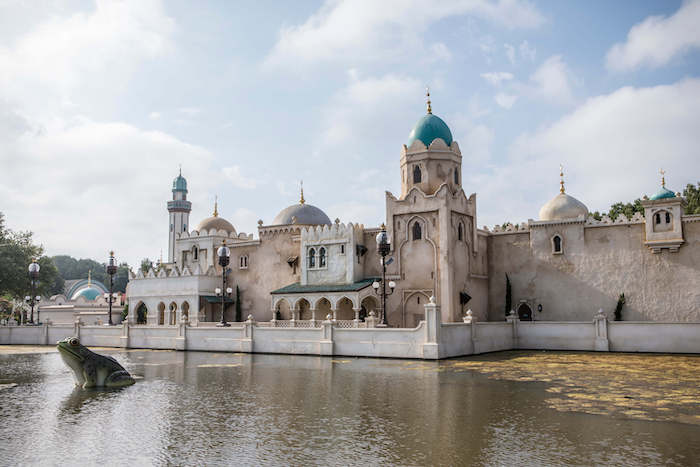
691	193
146	264
71	268
238	304
628	209
509	295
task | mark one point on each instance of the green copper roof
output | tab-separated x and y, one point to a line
88	294
429	128
180	184
663	193
319	288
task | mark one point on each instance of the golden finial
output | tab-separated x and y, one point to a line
663	178
427	94
89	277
383	227
301	200
181	170
561	181
111	253
216	206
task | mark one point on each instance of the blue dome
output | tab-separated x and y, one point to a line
180	184
429	128
663	193
89	293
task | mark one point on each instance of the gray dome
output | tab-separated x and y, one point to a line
563	206
215	222
304	214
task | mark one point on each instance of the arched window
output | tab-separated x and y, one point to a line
322	257
312	258
456	177
184	227
416	174
243	262
195	253
460	232
417	232
668	217
657	218
556	244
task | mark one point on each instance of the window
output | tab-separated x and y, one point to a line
195	253
456	177
184	227
171	227
417	233
243	262
312	258
460	232
556	244
342	249
668	217
416	174
322	257
657	218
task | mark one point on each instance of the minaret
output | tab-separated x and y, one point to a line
179	209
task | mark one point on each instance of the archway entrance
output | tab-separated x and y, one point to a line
524	312
141	314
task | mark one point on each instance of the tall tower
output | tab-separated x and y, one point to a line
179	209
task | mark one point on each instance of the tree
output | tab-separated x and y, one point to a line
691	193
70	268
238	304
628	209
146	265
509	295
16	253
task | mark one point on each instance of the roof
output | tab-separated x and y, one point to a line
217	223
663	193
180	184
563	206
303	214
429	128
216	299
318	288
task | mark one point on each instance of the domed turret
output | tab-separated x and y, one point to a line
215	222
302	213
663	192
563	206
429	128
180	184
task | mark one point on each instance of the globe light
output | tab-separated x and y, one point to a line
217	291
375	285
392	284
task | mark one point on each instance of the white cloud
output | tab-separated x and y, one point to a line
189	111
527	52
505	100
369	30
235	176
440	52
611	146
552	81
495	78
510	53
475	140
154	115
658	39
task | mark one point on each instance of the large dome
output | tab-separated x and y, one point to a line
563	206
89	293
215	222
429	128
663	193
301	213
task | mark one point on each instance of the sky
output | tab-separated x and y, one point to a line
101	102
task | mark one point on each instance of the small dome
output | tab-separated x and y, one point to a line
215	222
663	193
563	206
180	184
302	213
429	128
89	293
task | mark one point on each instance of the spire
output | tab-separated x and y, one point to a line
427	95
89	277
561	181
181	170
216	206
301	200
663	178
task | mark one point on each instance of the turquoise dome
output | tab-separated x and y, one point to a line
429	128
663	193
180	184
89	293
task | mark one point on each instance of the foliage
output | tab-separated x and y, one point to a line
70	268
125	312
618	308
628	209
509	295
146	265
141	314
691	193
16	253
238	304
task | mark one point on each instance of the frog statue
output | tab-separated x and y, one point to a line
91	369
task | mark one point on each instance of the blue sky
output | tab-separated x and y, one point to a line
101	101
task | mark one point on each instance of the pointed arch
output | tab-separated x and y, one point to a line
417	231
417	175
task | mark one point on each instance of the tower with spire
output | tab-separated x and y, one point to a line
179	213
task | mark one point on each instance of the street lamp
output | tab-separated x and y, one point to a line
33	300
111	270
224	254
383	247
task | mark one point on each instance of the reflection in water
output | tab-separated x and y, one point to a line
208	408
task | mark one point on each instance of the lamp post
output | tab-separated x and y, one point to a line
111	270
383	247
224	253
33	300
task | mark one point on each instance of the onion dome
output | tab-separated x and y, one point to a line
89	293
215	222
179	183
302	213
663	192
429	128
562	206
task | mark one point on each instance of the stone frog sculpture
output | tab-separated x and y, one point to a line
91	369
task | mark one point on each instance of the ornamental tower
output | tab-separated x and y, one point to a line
179	209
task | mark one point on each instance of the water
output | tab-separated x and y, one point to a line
200	408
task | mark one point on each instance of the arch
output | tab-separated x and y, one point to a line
303	308
312	258
173	313
185	314
557	244
417	176
344	309
368	304
141	313
460	231
417	231
663	221
414	309
195	253
161	313
322	257
524	312
323	307
282	309
243	262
